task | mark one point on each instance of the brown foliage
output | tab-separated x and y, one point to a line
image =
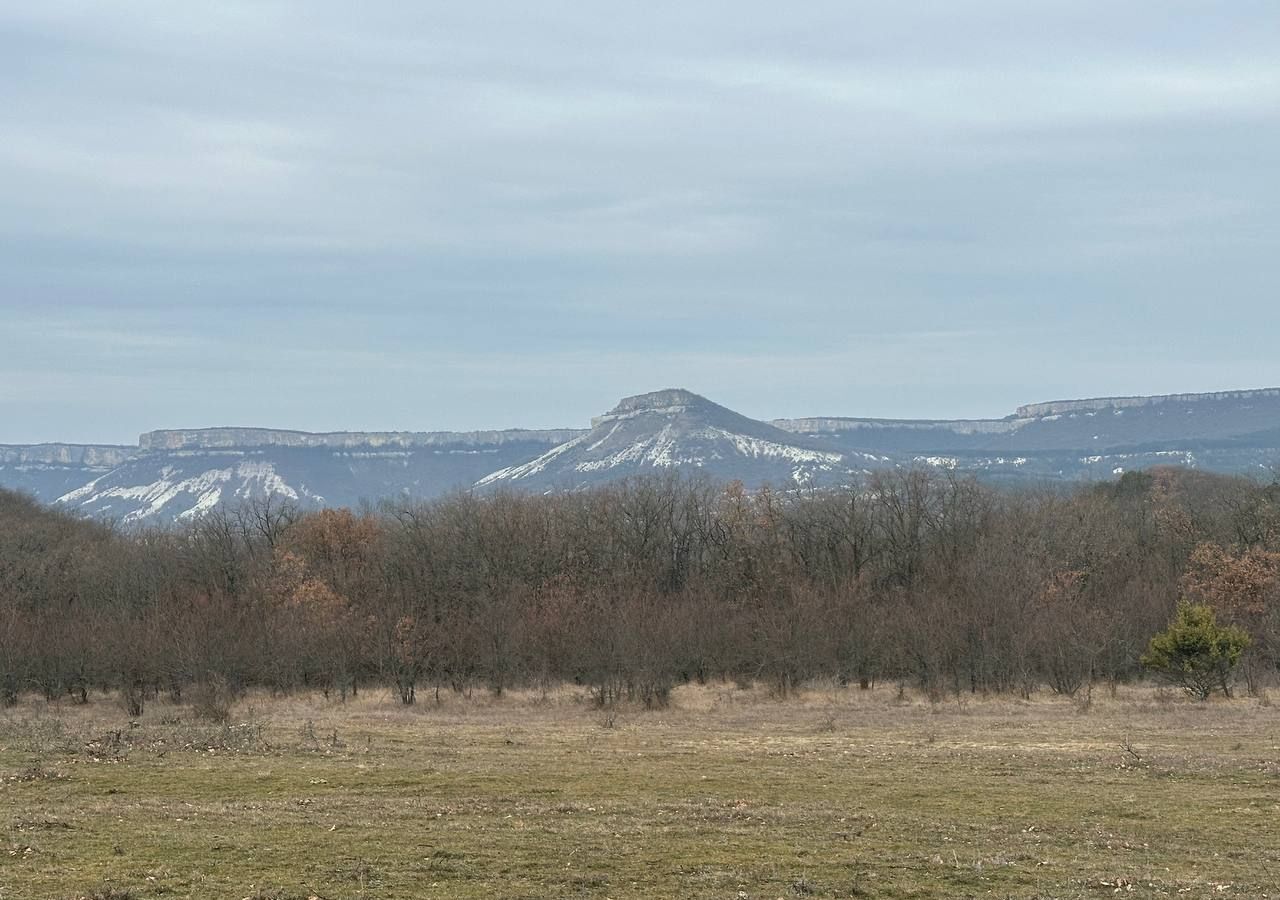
635	587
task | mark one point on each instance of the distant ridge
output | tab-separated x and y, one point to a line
65	454
227	436
180	474
1058	407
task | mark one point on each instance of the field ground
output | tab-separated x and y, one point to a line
729	793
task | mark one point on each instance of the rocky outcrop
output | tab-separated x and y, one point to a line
226	438
1066	407
93	455
819	425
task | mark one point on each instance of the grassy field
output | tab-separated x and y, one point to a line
731	794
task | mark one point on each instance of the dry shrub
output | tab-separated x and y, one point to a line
133	698
654	693
212	700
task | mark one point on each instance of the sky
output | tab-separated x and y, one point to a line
420	216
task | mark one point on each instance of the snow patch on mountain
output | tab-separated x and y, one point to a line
534	466
183	498
674	429
660	451
757	448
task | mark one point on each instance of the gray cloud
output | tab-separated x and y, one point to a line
309	215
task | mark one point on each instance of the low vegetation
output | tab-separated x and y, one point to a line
917	687
727	793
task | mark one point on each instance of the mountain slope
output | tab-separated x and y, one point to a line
47	471
195	472
1102	424
1228	431
676	429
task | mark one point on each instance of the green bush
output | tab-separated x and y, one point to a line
1195	652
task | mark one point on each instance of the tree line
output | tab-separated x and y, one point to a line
919	577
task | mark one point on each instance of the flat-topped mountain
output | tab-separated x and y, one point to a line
178	475
225	437
1243	400
676	429
181	473
48	471
1190	422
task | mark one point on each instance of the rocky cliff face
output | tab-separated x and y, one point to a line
46	471
820	425
227	438
64	454
1067	407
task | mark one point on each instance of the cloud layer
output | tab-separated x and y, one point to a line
431	216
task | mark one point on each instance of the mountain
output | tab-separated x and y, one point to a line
47	471
677	429
1104	423
179	474
1229	431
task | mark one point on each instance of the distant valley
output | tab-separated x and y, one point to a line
176	475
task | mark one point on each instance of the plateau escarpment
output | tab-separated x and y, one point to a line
64	454
1066	407
226	438
1215	421
178	474
48	471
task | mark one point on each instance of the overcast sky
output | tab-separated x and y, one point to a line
328	215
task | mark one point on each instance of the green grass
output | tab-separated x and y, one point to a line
729	793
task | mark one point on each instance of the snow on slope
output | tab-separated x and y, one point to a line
182	496
179	484
675	429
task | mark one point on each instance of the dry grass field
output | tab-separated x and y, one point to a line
729	793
